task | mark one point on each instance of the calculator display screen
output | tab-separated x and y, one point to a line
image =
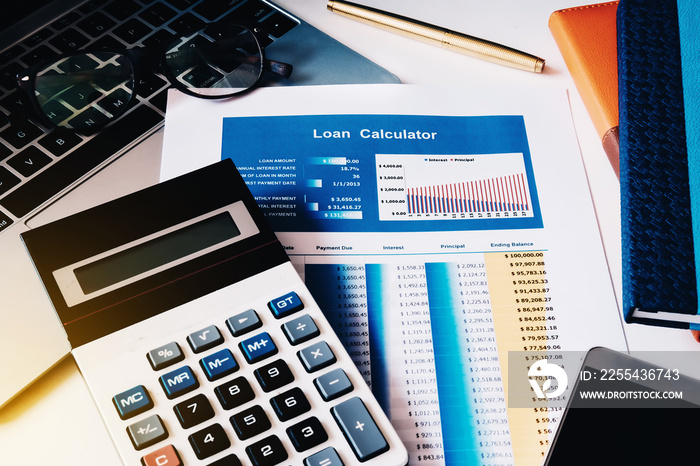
156	252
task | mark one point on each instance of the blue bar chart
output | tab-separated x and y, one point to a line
417	187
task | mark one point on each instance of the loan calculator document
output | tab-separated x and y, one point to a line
439	229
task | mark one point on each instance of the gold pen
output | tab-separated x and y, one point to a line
455	41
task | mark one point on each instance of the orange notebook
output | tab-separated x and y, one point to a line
587	39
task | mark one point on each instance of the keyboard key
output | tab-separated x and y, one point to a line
74	165
234	393
210	441
359	429
243	323
65	21
5	221
60	141
307	434
7	180
316	356
334	384
166	456
258	347
193	411
290	404
205	339
326	457
158	14
21	133
178	382
250	422
132	402
187	23
37	55
121	10
96	24
213	9
38	37
274	376
285	305
300	329
69	41
165	356
132	31
267	452
29	161
147	432
219	364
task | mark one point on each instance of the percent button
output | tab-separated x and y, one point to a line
165	356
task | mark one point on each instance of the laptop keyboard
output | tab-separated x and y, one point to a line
37	163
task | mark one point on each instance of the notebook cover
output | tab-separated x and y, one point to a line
587	39
658	248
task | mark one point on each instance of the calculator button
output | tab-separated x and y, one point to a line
300	329
307	434
205	339
243	322
132	402
219	364
166	456
274	376
290	404
193	411
285	305
359	429
333	384
258	347
250	422
178	382
230	460
165	356
327	457
147	432
317	356
267	452
234	393
210	441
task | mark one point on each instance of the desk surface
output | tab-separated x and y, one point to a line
55	421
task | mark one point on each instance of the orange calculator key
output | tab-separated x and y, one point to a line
166	456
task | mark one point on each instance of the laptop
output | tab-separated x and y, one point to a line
46	174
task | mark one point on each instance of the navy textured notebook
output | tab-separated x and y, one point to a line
658	68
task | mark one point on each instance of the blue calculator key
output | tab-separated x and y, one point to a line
132	402
285	305
359	429
243	322
258	347
178	382
300	329
219	364
205	339
317	356
325	457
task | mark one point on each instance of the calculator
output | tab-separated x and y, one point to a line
199	342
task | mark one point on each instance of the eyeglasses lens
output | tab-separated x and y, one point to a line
217	63
85	91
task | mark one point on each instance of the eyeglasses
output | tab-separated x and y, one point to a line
88	90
